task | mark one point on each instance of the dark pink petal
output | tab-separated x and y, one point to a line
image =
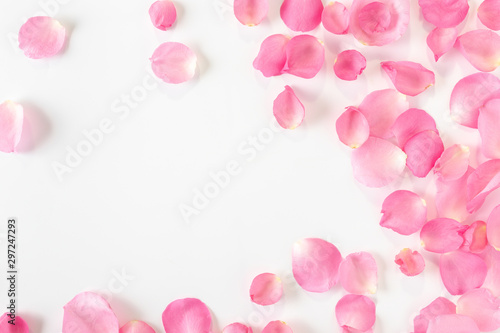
404	212
174	62
19	327
315	264
493	227
483	307
489	118
379	22
349	65
440	306
89	313
411	122
377	162
358	273
423	150
452	323
442	235
489	14
301	15
482	182
288	110
136	326
352	128
453	163
444	13
277	327
462	271
441	40
410	263
41	37
11	126
451	197
266	289
475	240
408	77
481	48
237	328
335	18
305	56
187	315
492	259
355	312
163	14
251	12
271	59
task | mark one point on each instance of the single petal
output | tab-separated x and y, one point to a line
493	227
358	273
277	327
411	122
174	62
411	263
305	56
335	18
271	59
441	40
423	150
483	307
481	183
19	326
404	212
88	312
492	259
301	15
41	37
315	264
355	312
377	162
489	14
352	128
408	77
444	13
453	163
452	323
440	306
251	12
462	271
266	289
481	48
136	326
451	197
475	240
288	110
489	118
163	14
442	235
11	126
186	316
349	65
237	328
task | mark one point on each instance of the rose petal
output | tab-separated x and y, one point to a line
423	151
136	326
482	306
462	271
277	327
301	15
492	259
237	328
11	126
315	264
481	48
349	65
355	312
404	212
482	182
489	118
408	77
441	40
358	273
377	162
88	312
410	263
451	197
251	12
266	289
41	37
163	14
288	110
452	323
493	227
411	122
352	128
187	315
475	240
444	13
19	327
440	306
442	235
335	18
305	56
489	14
174	62
271	59
453	163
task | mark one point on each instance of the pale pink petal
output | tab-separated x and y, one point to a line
301	15
475	240
470	94
481	48
404	212
381	108
377	162
288	110
271	59
441	40
452	323
411	263
488	121
379	22
305	56
442	235
174	62
186	316
315	264
237	328
489	14
411	122
408	77
251	12
11	126
335	18
88	312
352	128
451	197
462	271
493	227
423	150
440	306
163	14
482	182
41	37
349	65
358	273
136	326
453	163
19	326
266	289
355	312
444	13
483	307
277	327
492	259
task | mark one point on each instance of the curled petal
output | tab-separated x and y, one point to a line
305	56
475	240
352	128
451	197
11	125
481	48
489	14
410	263
481	183
462	271
174	62
408	77
301	15
251	12
335	18
492	282
423	150
315	264
19	327
349	65
358	273
136	326
271	59
41	37
404	212
237	328
483	307
355	312
440	306
89	313
452	323
489	118
444	13
266	289
187	315
493	227
453	163
277	327
411	122
442	235
441	40
163	14
288	110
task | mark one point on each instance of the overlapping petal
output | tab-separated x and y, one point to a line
489	14
492	259
174	62
355	313
41	37
251	12
408	77
266	289
187	315
411	263
481	183
475	240
19	327
277	326
352	128
358	273
452	323
305	56
404	212
288	110
163	14
481	48
301	15
482	306
237	328
453	163
423	150
440	306
462	271
441	40
489	118
136	326
493	227
271	59
349	65
444	13
11	126
442	235
411	122
451	197
335	18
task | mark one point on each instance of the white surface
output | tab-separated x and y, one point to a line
119	209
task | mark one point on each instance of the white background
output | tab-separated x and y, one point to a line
119	209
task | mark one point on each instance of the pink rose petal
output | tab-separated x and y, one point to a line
441	40
305	56
440	306
451	197
481	183
174	62
11	126
266	289
483	307
315	264
492	259
411	122
41	37
481	48
163	14
271	59
452	323
352	128
187	315
462	271
453	163
136	326
423	150
444	13
355	312
404	212
489	14
19	327
277	327
288	110
89	313
408	77
493	227
237	328
301	15
475	240
410	263
358	273
251	12
349	65
489	118
442	235
335	18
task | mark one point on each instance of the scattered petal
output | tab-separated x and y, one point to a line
404	212
489	118
301	15
411	122
481	48
423	151
358	273
349	65
452	323
451	197
305	56
237	328
11	126
163	14
493	227
482	182
136	326
440	306
187	315
41	37
453	163
335	18
492	259
266	289
489	14
462	271
410	263
251	12
442	235
475	240
483	307
19	327
271	59
288	110
355	312
444	13
441	40
408	77
174	62
352	128
277	327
